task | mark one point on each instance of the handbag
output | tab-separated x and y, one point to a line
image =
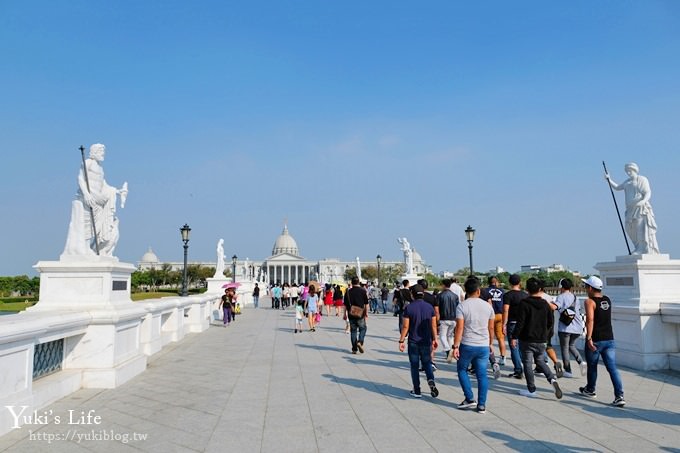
356	311
568	314
317	317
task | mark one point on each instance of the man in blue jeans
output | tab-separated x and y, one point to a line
420	323
472	343
600	340
357	297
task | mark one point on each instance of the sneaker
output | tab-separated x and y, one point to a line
449	356
415	394
585	392
496	371
481	409
353	351
527	393
516	375
501	362
538	371
558	390
619	401
433	389
567	374
584	368
360	347
559	371
295	331
434	367
467	404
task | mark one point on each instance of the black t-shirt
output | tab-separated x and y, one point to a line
430	299
384	293
402	297
513	299
256	291
356	295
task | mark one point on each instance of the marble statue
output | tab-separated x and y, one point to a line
408	255
359	269
219	268
99	202
640	221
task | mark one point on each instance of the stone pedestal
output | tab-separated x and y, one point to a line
637	286
412	278
215	284
107	353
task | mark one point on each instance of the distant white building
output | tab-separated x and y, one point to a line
534	268
287	265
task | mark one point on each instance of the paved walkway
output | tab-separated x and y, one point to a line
255	386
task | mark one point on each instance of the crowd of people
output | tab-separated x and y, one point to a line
467	321
468	324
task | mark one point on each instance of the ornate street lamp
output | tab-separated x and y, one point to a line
233	268
185	230
379	260
470	235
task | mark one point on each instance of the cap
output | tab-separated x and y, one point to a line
417	289
593	282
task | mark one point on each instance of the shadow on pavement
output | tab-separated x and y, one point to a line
533	445
607	410
376	387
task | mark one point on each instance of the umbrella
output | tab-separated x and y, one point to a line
316	284
231	285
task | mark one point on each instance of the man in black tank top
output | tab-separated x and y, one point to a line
600	340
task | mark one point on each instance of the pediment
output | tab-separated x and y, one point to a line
284	257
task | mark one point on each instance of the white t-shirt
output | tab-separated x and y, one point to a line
564	301
476	313
458	291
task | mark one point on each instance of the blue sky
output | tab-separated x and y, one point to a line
358	121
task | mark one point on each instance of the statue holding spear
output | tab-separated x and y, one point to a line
94	226
640	224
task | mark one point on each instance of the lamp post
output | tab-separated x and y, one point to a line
185	230
470	235
233	268
379	260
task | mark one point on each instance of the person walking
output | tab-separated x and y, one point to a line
338	300
402	297
571	326
472	343
549	350
356	308
328	298
420	324
600	340
277	293
227	308
256	295
511	301
299	315
534	320
312	302
447	304
495	298
384	295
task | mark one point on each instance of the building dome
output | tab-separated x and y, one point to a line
149	257
416	257
285	244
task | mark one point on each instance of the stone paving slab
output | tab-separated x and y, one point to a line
257	387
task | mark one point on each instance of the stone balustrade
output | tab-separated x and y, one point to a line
101	349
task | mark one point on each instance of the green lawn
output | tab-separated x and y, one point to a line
143	296
15	306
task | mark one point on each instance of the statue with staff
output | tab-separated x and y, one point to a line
640	224
93	229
